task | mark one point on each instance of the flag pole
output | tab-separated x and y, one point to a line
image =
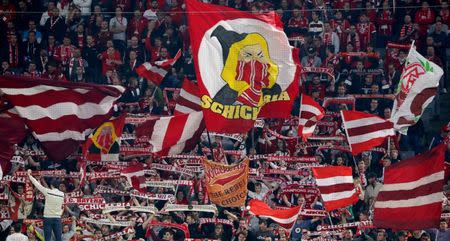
210	145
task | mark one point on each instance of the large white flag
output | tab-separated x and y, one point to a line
415	91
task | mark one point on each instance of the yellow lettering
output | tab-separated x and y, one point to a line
228	111
246	112
236	112
206	102
284	96
216	107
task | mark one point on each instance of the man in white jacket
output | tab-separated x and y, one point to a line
53	208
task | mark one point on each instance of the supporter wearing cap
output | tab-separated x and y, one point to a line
311	60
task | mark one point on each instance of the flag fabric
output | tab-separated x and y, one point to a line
227	184
245	68
188	101
174	134
59	114
157	71
135	175
104	143
285	218
336	186
12	131
412	194
151	72
365	131
416	89
310	113
169	62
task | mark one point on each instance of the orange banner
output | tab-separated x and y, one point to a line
227	184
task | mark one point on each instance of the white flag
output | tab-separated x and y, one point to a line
415	91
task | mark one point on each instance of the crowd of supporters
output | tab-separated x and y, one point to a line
364	43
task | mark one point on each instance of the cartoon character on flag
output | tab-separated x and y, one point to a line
248	68
103	144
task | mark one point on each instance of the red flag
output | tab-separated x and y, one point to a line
336	186
12	131
188	101
365	131
244	65
412	194
310	113
285	218
174	134
60	114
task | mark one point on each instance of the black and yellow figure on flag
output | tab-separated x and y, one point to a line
103	144
248	69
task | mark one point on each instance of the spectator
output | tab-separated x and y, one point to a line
53	209
17	234
118	26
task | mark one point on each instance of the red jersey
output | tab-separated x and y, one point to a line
340	26
424	18
136	27
385	22
300	23
63	53
106	58
365	31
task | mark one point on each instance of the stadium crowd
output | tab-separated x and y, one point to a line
364	43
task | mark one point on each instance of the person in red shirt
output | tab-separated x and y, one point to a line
371	12
315	85
297	25
153	49
64	52
111	60
424	17
385	22
366	30
176	12
340	26
137	25
54	73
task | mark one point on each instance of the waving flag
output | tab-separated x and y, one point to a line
365	131
104	143
245	68
227	184
285	218
412	194
310	113
157	71
188	101
417	87
336	186
174	134
59	114
12	131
